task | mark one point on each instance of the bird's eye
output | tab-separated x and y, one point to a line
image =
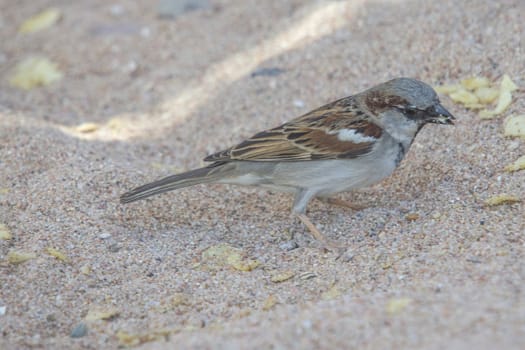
410	111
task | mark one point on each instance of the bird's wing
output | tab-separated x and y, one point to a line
335	131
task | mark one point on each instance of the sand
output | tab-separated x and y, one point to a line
429	265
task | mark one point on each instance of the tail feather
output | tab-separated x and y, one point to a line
170	183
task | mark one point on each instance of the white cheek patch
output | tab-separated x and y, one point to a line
352	136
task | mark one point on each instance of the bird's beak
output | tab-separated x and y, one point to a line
439	115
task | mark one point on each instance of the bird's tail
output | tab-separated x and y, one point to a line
173	182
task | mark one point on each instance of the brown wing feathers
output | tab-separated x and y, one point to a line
312	136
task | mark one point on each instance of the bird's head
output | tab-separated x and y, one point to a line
410	99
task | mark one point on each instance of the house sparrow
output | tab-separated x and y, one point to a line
350	143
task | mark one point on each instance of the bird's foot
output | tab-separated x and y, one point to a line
327	244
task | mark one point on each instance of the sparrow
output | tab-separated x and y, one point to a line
351	143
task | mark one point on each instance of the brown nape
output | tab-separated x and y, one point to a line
346	121
377	102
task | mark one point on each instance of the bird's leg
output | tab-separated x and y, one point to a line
341	203
299	208
311	227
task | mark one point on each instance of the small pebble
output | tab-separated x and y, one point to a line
86	269
267	72
116	10
104	235
307	275
513	145
115	247
298	103
79	331
346	256
130	68
307	324
145	32
289	245
174	8
3	310
282	276
412	217
5	233
152	304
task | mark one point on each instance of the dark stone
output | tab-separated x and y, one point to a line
79	331
267	72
